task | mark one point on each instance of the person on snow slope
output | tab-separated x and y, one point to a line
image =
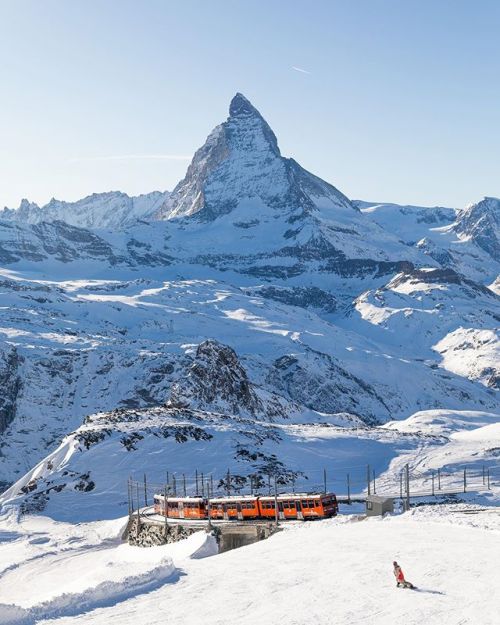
400	578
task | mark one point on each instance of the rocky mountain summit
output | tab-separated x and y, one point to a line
241	160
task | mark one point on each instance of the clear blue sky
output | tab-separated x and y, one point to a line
401	102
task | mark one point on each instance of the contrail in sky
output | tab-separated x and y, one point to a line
127	157
299	69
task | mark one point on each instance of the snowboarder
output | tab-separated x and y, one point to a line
400	578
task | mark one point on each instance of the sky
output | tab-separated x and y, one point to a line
388	100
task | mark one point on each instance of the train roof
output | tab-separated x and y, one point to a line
297	496
174	498
234	498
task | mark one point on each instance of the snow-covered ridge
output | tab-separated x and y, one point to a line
113	210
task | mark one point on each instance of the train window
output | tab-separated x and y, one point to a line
286	504
292	504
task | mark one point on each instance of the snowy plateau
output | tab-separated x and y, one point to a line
253	319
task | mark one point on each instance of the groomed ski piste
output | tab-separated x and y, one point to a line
336	571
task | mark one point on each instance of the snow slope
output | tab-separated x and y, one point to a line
340	567
80	568
84	478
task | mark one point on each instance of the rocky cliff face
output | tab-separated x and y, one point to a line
481	223
10	385
217	381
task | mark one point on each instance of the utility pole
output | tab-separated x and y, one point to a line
184	484
439	479
174	485
407	468
137	529
374	485
465	479
324	481
145	492
212	485
165	509
275	502
368	480
196	477
202	485
401	485
348	489
433	483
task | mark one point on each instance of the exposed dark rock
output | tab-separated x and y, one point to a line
10	385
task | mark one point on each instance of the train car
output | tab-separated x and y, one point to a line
301	506
181	507
240	508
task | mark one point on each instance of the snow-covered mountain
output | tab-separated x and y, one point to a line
481	223
253	301
113	210
467	241
241	161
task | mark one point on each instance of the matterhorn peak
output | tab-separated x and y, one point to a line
241	106
240	164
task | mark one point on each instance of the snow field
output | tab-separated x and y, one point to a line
337	571
73	574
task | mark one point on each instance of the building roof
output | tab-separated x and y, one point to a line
378	498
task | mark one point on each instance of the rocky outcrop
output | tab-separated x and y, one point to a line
481	223
305	297
10	385
318	382
216	380
142	534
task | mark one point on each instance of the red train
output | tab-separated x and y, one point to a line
300	506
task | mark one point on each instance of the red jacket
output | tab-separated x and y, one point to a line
398	572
